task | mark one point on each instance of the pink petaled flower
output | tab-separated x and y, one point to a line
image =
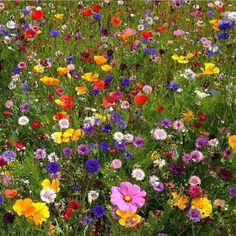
22	65
127	197
116	163
194	181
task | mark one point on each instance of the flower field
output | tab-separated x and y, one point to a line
118	117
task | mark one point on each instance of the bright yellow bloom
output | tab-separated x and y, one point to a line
128	219
155	156
232	141
179	200
59	16
39	69
49	81
77	135
188	115
99	60
23	207
54	185
81	90
211	69
215	24
90	77
106	67
40	214
182	59
203	205
63	71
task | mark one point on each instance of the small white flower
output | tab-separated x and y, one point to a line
159	134
153	180
52	157
128	138
138	174
23	120
48	195
118	136
213	142
64	123
92	195
159	162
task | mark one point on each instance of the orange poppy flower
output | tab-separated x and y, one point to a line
162	29
116	21
61	115
100	84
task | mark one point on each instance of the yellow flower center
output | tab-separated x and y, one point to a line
127	198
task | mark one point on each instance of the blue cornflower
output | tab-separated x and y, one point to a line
16	70
223	35
104	146
121	124
225	25
1	200
25	87
106	128
53	167
125	82
98	211
128	155
9	156
95	92
173	86
67	151
92	165
70	58
97	16
54	33
120	146
76	187
116	116
151	51
166	123
108	79
26	11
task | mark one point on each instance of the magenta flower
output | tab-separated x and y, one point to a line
127	197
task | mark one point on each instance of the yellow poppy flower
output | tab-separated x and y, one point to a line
49	81
81	90
203	205
77	135
128	219
99	60
211	69
90	77
182	59
54	185
59	16
40	214
232	141
106	67
215	24
39	69
24	207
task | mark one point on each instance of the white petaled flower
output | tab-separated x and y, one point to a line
159	134
92	195
213	142
52	157
124	105
159	162
138	174
153	180
23	120
129	138
118	136
48	195
64	123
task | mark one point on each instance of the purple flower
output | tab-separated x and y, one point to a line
226	174
54	33
173	86
53	167
92	165
40	153
67	151
194	215
177	169
98	211
120	146
232	192
166	123
9	156
24	107
196	156
225	25
159	187
201	142
138	142
186	158
83	149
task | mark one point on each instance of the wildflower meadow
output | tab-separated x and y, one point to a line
118	117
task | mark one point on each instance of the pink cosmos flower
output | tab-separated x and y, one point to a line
127	197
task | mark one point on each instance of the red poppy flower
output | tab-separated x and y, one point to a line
7	113
141	99
67	101
160	108
139	86
112	150
99	84
74	204
20	145
2	162
36	124
37	15
202	117
163	28
29	34
197	125
87	12
133	92
96	8
116	21
147	34
108	101
68	213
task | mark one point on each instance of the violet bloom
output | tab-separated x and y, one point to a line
138	142
232	192
40	154
166	123
159	187
194	215
196	156
177	169
127	197
186	158
83	149
201	142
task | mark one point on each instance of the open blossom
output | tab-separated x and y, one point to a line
159	134
138	174
23	120
48	195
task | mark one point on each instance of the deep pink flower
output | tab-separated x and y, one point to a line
127	197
